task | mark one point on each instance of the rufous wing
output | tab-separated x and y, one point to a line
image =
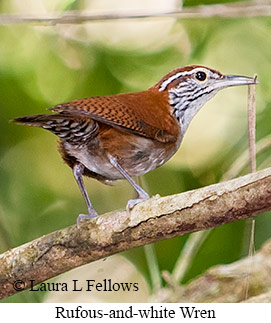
143	113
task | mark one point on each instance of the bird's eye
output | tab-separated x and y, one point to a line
201	76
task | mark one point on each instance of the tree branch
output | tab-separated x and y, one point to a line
226	283
262	298
156	219
230	10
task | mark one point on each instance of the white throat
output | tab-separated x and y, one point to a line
184	109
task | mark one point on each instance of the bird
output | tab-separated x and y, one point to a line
129	134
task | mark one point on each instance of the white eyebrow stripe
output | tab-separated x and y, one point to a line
165	84
172	78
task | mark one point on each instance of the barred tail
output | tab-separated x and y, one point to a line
37	120
65	126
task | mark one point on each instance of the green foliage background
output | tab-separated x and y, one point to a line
43	66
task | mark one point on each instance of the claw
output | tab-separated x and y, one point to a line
81	217
132	203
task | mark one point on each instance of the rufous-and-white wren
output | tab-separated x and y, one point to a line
119	136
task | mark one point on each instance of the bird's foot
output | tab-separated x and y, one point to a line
81	217
143	196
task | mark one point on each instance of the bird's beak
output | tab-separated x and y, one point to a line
232	80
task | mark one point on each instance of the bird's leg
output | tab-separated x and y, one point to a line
78	170
142	195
